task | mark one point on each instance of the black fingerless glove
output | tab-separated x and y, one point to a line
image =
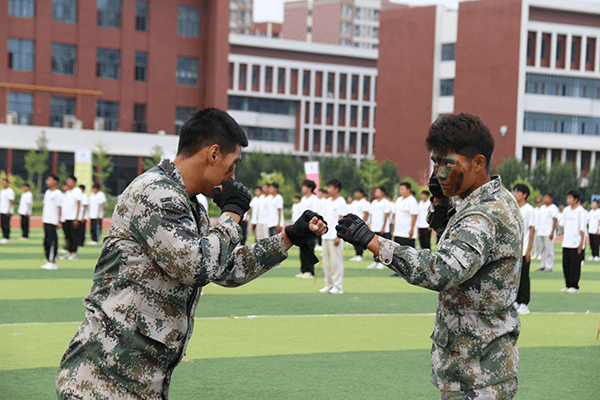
435	188
353	229
299	234
233	197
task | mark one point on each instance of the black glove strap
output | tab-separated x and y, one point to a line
308	253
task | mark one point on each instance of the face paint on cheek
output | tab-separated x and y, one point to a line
461	178
443	173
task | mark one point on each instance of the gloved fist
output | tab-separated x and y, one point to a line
353	230
299	233
435	188
232	196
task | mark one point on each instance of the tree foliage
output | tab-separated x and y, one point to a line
594	180
371	175
36	161
286	189
562	178
102	164
154	159
539	177
511	170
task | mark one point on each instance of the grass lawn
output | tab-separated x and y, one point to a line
279	338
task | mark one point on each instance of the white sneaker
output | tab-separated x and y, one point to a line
308	275
572	290
353	258
336	291
318	248
372	266
4	241
64	256
92	242
62	251
523	309
72	256
516	305
358	258
49	265
539	257
596	258
326	289
582	263
590	258
564	290
300	276
380	266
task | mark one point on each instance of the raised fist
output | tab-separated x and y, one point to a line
232	196
353	229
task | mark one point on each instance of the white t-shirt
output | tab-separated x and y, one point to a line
83	213
52	204
69	207
321	205
97	200
593	221
360	207
254	210
296	211
333	210
528	218
264	209
546	215
25	203
6	195
423	211
377	212
404	209
276	210
573	223
309	203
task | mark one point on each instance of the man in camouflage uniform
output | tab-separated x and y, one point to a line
475	269
160	251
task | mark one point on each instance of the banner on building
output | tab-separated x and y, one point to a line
83	169
311	169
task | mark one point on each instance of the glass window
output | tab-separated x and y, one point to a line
141	16
109	110
141	61
139	118
22	104
269	134
64	58
59	107
20	54
187	71
448	52
189	22
108	63
109	13
261	105
21	8
446	87
181	115
64	11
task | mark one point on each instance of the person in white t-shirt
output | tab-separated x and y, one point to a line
594	230
360	207
406	212
296	208
574	225
82	216
7	209
263	219
333	246
423	227
96	211
536	242
309	202
322	197
380	212
521	192
276	210
546	225
25	207
70	210
253	212
51	216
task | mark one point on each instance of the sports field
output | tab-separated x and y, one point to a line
278	338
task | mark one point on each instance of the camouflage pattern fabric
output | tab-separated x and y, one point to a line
501	391
476	270
159	252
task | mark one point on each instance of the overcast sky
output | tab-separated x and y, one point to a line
272	10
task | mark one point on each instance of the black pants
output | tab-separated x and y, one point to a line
404	241
305	264
5	223
524	293
80	232
50	242
96	229
71	234
65	228
244	226
425	238
273	231
25	225
571	267
359	250
594	244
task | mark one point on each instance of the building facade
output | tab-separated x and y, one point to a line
301	98
241	17
268	29
342	22
529	68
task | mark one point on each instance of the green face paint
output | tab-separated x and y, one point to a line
445	168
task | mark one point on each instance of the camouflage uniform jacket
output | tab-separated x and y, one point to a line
160	250
476	270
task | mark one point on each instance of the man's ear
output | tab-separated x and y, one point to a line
479	162
213	154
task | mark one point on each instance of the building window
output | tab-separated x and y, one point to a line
64	11
328	141
316	140
64	57
353	115
329	114
364	143
317	113
306	83
108	64
352	144
341	115
269	134
141	63
181	115
281	80
22	105
59	107
230	76
109	13
354	87
187	71
340	142
330	84
20	54
268	79
256	78
448	52
139	118
365	117
141	16
366	88
21	8
261	105
447	87
109	111
189	22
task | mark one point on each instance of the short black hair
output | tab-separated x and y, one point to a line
335	183
462	133
322	190
96	186
520	187
595	201
259	188
298	197
426	192
309	184
575	194
207	127
406	185
360	191
27	184
275	185
53	176
382	188
549	194
82	187
73	177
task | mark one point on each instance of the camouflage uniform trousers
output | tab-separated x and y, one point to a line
500	391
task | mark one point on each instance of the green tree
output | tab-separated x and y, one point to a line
63	173
340	168
154	159
533	192
371	175
102	164
511	170
539	177
286	189
36	161
390	171
562	178
594	180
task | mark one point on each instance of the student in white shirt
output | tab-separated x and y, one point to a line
82	216
276	211
546	225
322	197
263	207
360	207
309	202
380	212
536	242
521	192
333	246
96	208
7	208
406	212
51	216
70	210
25	207
594	230
296	208
254	210
574	226
422	225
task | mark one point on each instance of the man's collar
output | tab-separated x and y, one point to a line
487	189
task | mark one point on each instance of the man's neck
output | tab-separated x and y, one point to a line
521	203
335	196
